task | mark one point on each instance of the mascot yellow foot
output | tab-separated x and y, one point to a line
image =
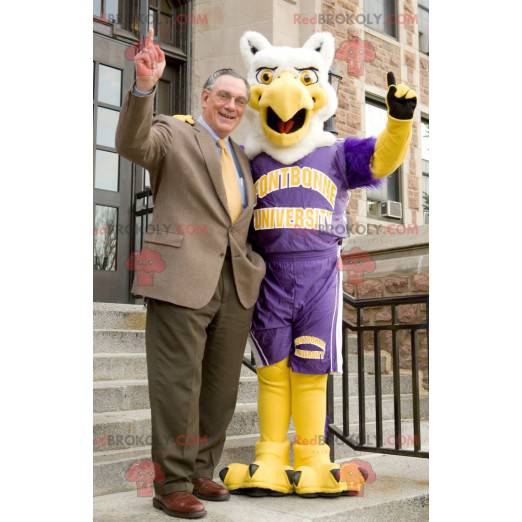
270	473
314	475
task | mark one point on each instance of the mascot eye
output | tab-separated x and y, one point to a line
308	77
264	76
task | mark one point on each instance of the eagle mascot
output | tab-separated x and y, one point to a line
303	176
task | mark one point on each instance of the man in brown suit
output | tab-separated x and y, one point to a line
200	299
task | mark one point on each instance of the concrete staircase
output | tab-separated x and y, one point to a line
122	436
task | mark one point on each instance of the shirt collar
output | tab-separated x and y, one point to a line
210	130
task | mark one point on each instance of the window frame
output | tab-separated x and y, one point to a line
395	25
378	101
424	119
421	7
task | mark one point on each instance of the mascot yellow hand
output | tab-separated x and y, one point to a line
187	118
394	140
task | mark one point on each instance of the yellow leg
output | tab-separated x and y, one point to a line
270	473
314	473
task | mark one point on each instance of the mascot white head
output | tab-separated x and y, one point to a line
290	96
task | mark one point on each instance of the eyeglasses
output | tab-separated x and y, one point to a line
226	97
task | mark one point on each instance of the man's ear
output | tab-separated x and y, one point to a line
324	44
250	44
204	96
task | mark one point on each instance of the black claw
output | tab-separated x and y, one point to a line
223	474
252	469
364	473
336	473
290	475
297	476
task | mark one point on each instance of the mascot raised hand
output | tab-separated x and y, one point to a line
303	176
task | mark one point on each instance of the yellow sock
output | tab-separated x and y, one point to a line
274	401
309	407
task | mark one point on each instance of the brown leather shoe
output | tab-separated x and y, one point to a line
180	504
207	489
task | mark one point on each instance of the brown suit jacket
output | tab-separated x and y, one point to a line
185	245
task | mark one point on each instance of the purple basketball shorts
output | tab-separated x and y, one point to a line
299	313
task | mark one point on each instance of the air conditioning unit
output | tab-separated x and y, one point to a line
391	209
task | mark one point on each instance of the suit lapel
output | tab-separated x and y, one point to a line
208	150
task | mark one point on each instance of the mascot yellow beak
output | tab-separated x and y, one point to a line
286	105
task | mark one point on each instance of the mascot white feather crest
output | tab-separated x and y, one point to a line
282	96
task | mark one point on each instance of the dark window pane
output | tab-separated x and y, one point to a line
425	140
97	8
166	7
105	238
106	127
111	10
381	16
424	30
109	85
137	233
425	155
164	97
165	30
106	170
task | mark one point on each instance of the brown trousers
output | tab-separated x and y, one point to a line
193	363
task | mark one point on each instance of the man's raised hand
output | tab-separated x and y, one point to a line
149	63
400	100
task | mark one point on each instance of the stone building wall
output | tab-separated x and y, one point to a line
376	267
363	58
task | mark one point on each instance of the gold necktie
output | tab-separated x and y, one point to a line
230	180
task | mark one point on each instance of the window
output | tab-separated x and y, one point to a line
423	14
425	159
105	237
106	9
107	104
170	21
381	15
375	117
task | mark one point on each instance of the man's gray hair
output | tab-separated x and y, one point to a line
211	80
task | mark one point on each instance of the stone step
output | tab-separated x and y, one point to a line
126	340
118	316
110	466
117	365
119	341
118	430
132	394
400	493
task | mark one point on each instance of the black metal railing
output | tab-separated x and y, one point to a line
143	207
359	441
343	434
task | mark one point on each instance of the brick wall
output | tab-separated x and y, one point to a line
394	284
364	69
376	267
